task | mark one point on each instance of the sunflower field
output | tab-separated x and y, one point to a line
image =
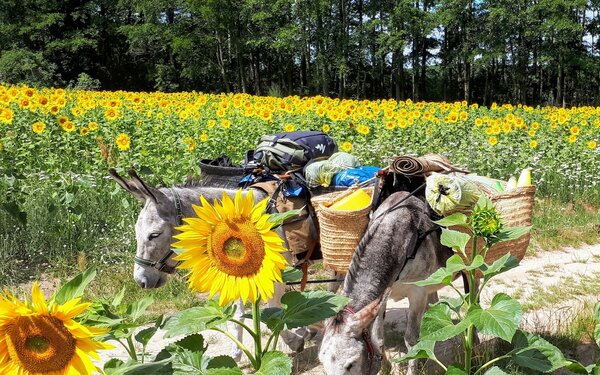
56	146
51	131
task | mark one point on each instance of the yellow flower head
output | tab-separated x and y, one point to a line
574	130
493	141
533	144
123	142
38	127
111	114
326	128
346	146
190	143
69	126
363	129
93	126
225	124
289	128
38	338
84	131
592	145
230	249
203	137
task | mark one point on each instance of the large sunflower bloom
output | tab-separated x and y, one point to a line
37	338
230	249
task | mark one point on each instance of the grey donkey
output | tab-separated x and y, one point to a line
401	245
154	232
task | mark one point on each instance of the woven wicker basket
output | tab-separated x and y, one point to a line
340	231
515	207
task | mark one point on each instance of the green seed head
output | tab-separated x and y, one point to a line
486	222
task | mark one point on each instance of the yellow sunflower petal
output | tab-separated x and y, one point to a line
227	204
38	300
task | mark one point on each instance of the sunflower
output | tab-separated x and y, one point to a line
38	338
38	127
230	249
346	146
123	142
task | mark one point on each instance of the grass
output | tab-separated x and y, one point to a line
568	289
557	224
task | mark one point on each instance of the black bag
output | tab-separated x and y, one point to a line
282	152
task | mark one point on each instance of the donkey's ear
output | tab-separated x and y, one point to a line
359	321
127	185
150	192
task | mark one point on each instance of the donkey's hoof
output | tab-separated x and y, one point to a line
293	341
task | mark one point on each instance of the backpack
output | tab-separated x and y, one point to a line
283	152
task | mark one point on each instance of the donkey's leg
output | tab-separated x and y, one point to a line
236	352
418	300
378	336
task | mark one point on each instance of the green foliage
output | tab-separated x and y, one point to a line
22	66
75	287
198	319
85	82
501	319
188	354
347	49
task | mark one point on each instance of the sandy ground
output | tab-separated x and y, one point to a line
536	273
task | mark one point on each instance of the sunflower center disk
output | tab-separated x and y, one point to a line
40	343
237	249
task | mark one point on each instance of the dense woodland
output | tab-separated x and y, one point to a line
518	51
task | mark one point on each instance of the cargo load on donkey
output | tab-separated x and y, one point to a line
285	152
276	167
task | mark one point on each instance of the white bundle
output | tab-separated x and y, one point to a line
450	192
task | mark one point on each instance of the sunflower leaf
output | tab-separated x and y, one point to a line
197	319
279	218
156	368
137	308
301	309
275	363
291	274
75	287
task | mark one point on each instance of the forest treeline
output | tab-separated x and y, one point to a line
517	51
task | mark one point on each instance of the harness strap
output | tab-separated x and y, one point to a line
366	336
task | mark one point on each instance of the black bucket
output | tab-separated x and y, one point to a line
217	176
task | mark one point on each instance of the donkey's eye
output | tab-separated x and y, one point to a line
153	236
349	366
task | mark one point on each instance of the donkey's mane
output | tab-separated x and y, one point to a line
366	238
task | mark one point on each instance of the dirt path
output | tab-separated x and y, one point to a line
572	275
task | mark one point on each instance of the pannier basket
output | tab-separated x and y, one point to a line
219	176
340	231
515	208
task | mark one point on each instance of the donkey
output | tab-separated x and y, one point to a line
401	245
154	230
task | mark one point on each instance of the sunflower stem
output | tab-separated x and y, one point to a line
257	339
131	350
244	326
239	344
